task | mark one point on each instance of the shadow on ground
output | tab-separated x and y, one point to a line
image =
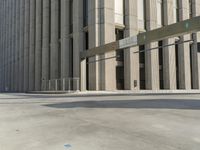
137	104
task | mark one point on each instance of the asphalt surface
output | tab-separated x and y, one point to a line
141	122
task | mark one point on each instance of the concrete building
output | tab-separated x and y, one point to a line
41	41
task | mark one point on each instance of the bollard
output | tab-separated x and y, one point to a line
77	84
63	84
69	85
49	85
56	84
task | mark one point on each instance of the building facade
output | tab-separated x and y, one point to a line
41	41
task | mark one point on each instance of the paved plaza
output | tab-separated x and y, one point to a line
128	122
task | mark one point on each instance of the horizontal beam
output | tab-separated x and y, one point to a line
121	44
173	30
170	31
100	50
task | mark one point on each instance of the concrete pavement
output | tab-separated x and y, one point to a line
149	122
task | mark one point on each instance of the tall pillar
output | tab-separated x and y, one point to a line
17	21
54	52
32	46
131	59
13	45
65	31
26	44
6	45
1	28
9	45
196	49
102	75
1	45
151	57
107	31
184	50
94	41
38	46
21	50
169	58
45	44
77	40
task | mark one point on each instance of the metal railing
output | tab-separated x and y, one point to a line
64	84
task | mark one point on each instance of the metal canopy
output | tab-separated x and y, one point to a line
173	30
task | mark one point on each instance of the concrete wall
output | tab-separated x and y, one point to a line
36	52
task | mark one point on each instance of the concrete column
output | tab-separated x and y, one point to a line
184	50
131	59
1	44
102	75
169	59
65	31
94	41
107	31
9	45
38	46
21	50
6	46
13	45
3	47
1	41
32	47
16	79
151	57
9	41
26	44
195	49
54	52
1	4
77	39
45	44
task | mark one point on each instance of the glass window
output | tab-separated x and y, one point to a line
85	13
190	8
71	15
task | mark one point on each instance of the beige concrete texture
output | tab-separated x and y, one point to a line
48	122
